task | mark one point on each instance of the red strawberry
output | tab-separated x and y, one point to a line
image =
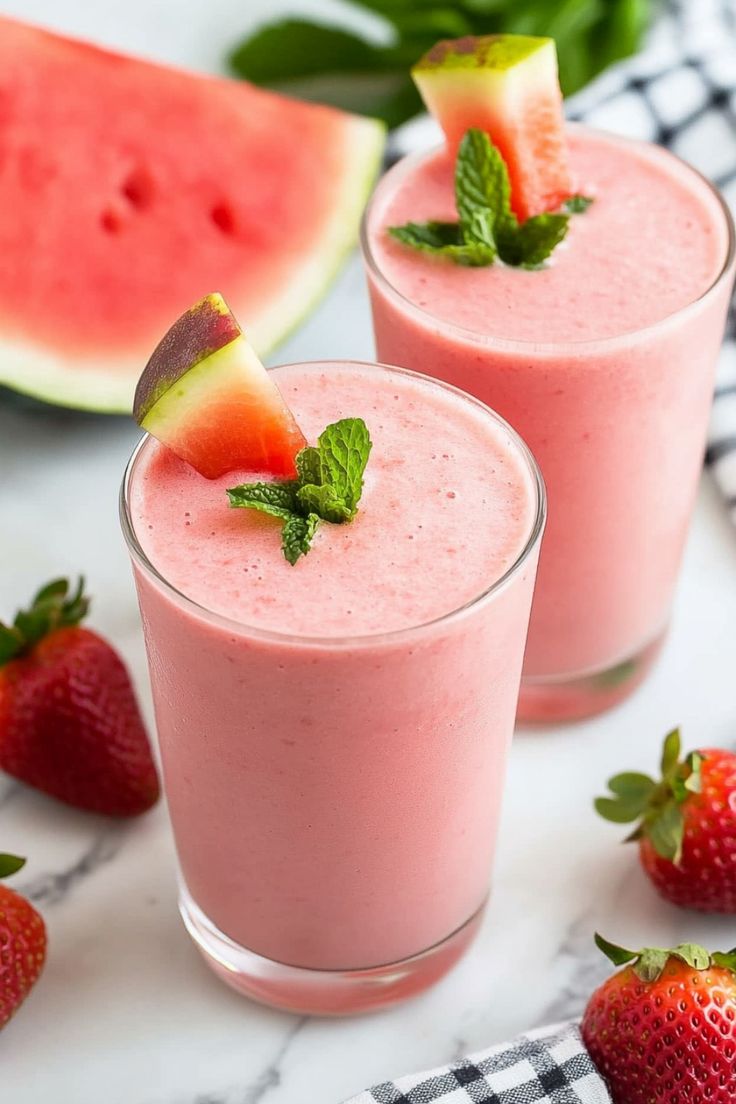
69	721
687	825
663	1031
22	944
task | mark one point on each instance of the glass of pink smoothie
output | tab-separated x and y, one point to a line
604	362
334	733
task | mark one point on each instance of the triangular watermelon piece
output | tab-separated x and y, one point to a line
506	85
206	396
128	189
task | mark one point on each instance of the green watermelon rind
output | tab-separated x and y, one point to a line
42	373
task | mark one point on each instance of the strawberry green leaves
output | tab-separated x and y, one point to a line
657	806
649	963
55	606
488	229
10	864
328	486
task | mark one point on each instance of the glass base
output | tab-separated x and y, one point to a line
322	992
552	700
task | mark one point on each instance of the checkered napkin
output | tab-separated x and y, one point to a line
550	1065
681	92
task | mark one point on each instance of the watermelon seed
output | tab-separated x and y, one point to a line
138	188
110	221
223	218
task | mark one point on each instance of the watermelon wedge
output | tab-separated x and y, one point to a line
506	85
205	395
127	187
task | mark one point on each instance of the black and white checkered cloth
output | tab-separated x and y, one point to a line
550	1065
681	92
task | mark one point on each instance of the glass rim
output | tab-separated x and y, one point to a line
274	636
586	346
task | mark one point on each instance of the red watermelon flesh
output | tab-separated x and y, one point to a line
126	188
506	85
206	396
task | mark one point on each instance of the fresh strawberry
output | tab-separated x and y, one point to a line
69	721
22	944
663	1030
687	825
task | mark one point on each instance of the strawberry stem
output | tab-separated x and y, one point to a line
649	963
53	607
656	806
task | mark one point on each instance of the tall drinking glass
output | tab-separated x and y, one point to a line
334	781
617	422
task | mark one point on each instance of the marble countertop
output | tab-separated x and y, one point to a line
125	1010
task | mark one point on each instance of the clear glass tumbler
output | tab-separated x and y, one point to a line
334	800
618	427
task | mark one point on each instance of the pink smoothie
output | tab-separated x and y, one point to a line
334	733
603	361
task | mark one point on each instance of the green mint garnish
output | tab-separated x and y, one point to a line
577	204
446	239
487	227
328	486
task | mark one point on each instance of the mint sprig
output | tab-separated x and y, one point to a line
488	228
328	486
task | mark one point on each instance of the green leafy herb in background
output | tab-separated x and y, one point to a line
371	76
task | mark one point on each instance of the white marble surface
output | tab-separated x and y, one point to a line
125	1011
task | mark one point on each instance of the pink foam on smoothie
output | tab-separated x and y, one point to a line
446	510
644	249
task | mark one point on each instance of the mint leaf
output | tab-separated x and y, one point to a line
309	466
428	235
444	239
328	487
530	243
481	181
488	227
344	448
277	499
324	502
576	204
296	536
480	228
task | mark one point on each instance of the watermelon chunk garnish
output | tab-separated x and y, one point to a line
508	86
206	396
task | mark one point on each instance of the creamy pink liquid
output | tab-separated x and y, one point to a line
334	801
617	426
